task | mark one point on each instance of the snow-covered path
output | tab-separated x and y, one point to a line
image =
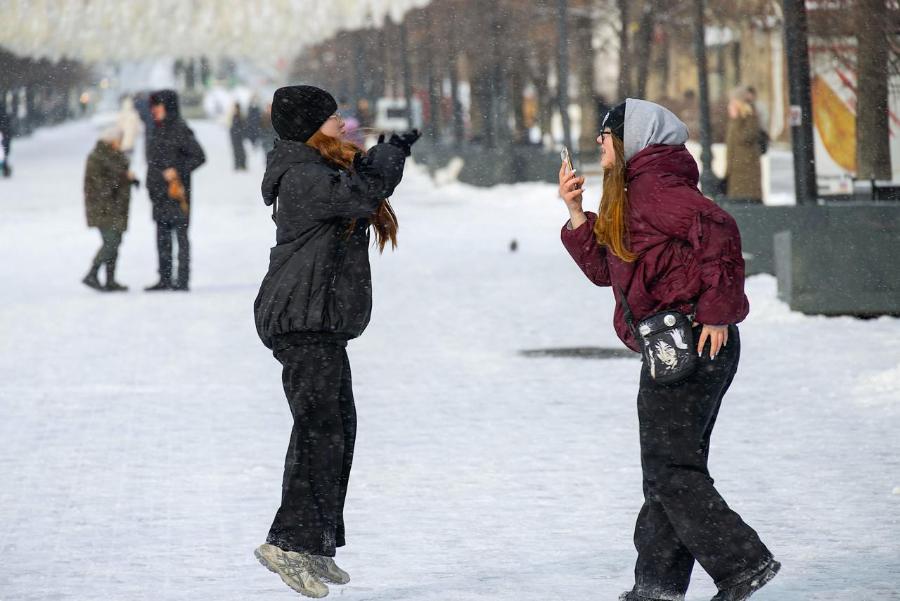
142	436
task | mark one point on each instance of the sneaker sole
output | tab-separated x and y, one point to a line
274	569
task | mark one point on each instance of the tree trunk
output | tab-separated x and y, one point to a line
644	49
480	104
517	83
562	75
407	75
434	91
586	95
545	100
624	62
873	152
459	131
499	107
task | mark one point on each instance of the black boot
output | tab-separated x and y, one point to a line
111	284
91	281
160	285
632	596
742	590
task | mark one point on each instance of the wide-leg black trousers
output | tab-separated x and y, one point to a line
684	518
318	387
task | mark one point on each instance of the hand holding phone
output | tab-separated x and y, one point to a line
570	184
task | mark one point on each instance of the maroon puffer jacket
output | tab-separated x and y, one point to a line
689	249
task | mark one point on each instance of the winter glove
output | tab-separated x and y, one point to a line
362	164
405	141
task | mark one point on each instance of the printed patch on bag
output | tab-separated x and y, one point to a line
666	353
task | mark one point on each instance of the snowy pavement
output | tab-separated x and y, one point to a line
142	435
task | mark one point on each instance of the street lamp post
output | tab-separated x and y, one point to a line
802	142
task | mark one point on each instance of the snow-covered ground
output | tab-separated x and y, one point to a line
142	435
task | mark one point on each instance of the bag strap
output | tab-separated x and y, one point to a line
626	309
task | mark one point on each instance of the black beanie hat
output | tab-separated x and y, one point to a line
615	121
299	111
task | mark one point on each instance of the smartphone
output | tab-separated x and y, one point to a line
567	158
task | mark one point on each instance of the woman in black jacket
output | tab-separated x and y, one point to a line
327	195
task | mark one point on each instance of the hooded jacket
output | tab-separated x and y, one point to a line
107	188
170	143
689	249
319	280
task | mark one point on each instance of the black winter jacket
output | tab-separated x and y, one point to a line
171	144
319	279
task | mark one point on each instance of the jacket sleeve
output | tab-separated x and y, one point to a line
192	155
349	193
716	243
590	256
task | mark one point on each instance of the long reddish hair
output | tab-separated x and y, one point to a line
341	153
611	227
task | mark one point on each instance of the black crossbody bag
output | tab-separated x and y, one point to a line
667	343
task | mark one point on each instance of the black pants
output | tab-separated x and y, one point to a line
684	518
164	232
317	383
240	153
108	253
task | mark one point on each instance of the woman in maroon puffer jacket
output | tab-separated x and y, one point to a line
665	246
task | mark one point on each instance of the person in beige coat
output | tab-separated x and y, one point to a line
742	139
129	123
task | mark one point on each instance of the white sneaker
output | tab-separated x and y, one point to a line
325	568
295	570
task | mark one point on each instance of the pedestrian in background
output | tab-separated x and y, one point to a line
328	197
129	123
742	141
665	249
762	116
107	196
253	121
6	136
238	132
266	131
173	153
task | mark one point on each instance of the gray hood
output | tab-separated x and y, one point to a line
647	123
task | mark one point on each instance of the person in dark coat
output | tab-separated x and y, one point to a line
328	197
173	153
664	246
6	136
238	132
107	195
254	121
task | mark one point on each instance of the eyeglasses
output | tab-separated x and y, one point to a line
337	115
603	135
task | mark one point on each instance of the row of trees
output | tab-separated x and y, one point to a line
521	61
41	90
516	58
